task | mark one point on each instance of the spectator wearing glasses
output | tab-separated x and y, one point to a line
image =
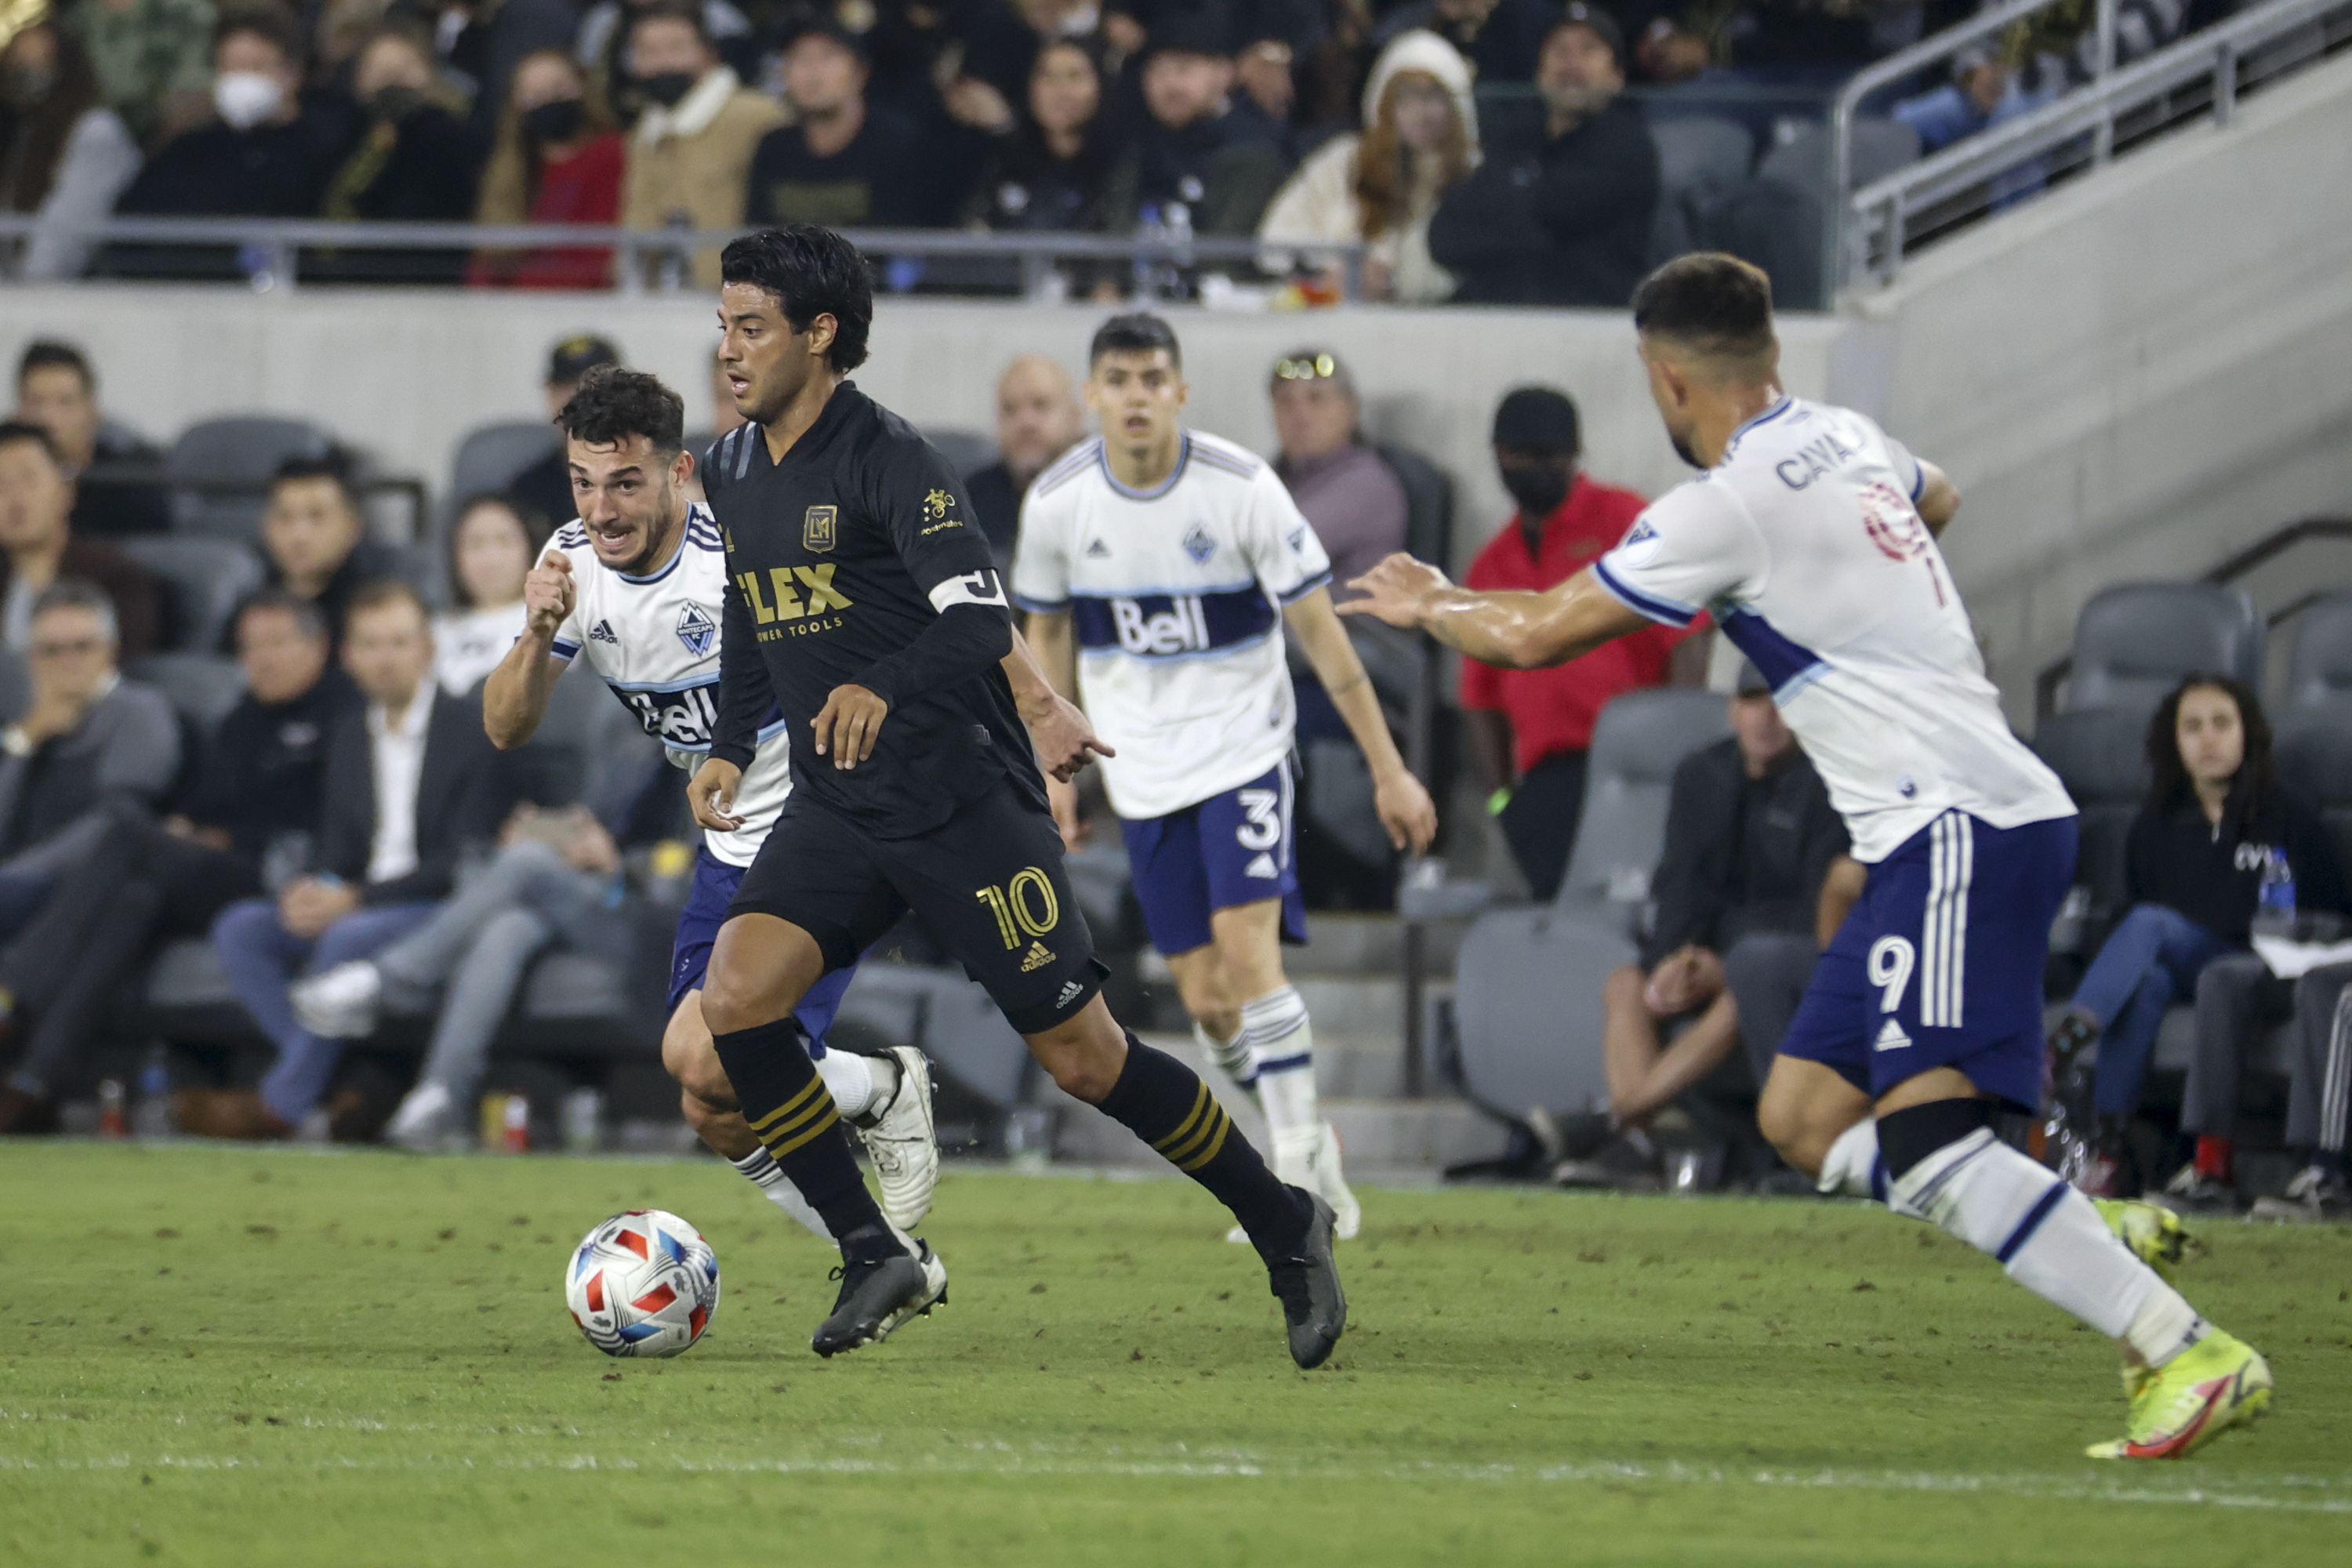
845	163
58	390
314	541
64	156
250	816
690	154
556	159
1037	419
1355	502
1420	140
1569	222
38	550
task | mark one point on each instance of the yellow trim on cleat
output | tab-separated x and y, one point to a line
2153	1232
2216	1383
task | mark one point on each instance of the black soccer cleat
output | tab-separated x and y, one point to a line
1306	1282
877	1297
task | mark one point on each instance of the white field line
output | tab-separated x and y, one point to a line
1006	1460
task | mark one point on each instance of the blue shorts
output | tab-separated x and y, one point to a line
713	889
1939	965
1231	848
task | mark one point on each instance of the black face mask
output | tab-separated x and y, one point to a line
553	123
667	87
394	104
1539	487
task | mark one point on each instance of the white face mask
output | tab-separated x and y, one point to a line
246	99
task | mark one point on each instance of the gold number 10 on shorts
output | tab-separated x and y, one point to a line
1023	907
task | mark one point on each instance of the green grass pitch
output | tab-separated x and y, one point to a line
226	1356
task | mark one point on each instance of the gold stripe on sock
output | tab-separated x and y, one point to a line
816	1085
1212	1133
1186	1128
791	1127
786	1145
1216	1143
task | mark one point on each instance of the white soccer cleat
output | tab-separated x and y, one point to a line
423	1120
1347	1213
903	1141
339	1004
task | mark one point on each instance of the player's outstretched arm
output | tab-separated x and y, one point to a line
1514	629
1939	499
515	700
1044	684
1403	804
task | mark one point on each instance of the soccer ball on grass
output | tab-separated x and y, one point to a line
643	1283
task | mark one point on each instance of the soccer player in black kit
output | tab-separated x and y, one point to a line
864	609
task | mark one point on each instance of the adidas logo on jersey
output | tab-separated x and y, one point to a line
1891	1037
1097	551
1038	956
1069	993
1263	866
603	632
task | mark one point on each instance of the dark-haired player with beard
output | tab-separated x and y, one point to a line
635	586
863	604
1811	539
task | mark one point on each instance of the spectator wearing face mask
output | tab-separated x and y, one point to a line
1037	419
270	151
483	40
1529	729
64	156
415	163
690	155
557	159
845	163
602	50
153	59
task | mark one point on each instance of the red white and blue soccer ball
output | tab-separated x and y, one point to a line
644	1283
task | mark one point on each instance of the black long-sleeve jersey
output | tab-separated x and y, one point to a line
858	561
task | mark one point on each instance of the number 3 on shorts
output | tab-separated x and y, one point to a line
1891	958
1261	811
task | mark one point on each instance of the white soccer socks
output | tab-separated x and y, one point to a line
859	1085
1282	1062
2046	1236
1853	1168
1232	1056
760	1167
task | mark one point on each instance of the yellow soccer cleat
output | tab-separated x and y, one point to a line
2216	1383
2154	1233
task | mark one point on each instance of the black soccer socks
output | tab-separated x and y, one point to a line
1164	1103
790	1112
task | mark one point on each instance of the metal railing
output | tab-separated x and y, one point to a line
1871	229
270	253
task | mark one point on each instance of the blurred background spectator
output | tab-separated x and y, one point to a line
153	59
416	163
58	390
483	41
64	154
252	811
1038	418
602	48
1500	37
844	164
557	159
1420	138
1050	169
1195	151
493	546
1355	503
545	488
690	155
1567	223
314	541
1529	729
39	550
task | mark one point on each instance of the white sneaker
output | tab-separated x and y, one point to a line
903	1142
1347	1213
423	1120
339	1004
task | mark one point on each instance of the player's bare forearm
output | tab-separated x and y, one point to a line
1515	629
1053	650
1402	803
515	698
1058	729
1939	499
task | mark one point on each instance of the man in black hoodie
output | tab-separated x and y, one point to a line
1569	222
1196	150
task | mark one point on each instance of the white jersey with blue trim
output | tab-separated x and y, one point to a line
1807	546
655	639
1175	599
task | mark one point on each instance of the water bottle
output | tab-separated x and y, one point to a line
152	1116
2275	904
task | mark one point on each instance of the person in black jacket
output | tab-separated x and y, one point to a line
2215	821
416	163
251	811
410	783
1050	169
1569	222
1750	838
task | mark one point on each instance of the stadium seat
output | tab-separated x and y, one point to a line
1526	1009
16	686
209	577
2098	754
966	451
2134	642
2319	664
947	1017
2314	752
1880	147
1700	150
490	456
203	687
1640	740
219	470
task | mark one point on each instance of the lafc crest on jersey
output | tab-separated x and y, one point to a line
817	529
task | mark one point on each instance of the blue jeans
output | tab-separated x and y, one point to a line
263	959
2151	962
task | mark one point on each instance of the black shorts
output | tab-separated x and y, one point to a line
989	886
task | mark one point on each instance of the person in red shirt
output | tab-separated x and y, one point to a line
1529	729
558	160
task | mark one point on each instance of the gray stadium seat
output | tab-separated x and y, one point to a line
1526	1009
2099	755
2134	642
951	1019
16	686
2319	665
1639	741
489	457
202	686
1696	149
219	470
209	578
966	451
1880	147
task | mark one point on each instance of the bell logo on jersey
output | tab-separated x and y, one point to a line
694	630
817	529
1183	627
680	719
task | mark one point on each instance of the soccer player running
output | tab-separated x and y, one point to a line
1811	539
864	606
636	584
1163	554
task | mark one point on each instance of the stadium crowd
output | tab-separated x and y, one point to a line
349	843
1482	151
